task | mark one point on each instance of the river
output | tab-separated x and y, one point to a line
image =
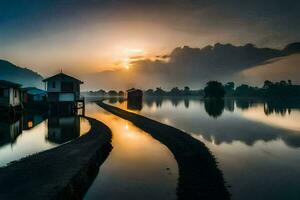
256	143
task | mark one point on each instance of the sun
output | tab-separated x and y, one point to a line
126	63
129	55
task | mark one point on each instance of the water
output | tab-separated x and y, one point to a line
34	132
138	167
257	144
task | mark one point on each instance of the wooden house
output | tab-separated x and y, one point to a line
10	96
134	95
64	92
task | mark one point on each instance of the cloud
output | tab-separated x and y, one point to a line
195	66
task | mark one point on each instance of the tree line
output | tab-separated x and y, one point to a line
215	89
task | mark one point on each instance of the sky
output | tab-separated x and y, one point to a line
88	36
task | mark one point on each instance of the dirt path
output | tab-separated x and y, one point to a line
199	175
65	172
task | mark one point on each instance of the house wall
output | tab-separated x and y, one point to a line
14	97
63	97
4	100
57	87
10	98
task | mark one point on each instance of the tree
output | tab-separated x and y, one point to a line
229	88
121	93
214	89
175	91
187	90
283	83
159	92
113	93
267	84
149	92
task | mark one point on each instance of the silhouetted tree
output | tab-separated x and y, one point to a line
229	88
186	91
101	92
267	84
159	92
175	91
112	93
149	92
214	89
121	93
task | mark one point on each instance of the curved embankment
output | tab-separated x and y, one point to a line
199	175
65	172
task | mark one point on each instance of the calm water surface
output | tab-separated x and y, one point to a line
33	133
138	167
257	144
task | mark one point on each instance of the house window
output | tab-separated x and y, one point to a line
1	92
53	84
67	87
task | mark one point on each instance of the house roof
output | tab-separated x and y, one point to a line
34	91
133	89
8	84
62	76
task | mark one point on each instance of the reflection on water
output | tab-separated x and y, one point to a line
138	167
256	143
34	132
66	128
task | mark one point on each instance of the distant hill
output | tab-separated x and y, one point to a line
24	76
194	66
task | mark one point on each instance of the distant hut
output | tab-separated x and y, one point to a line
134	95
134	99
10	98
64	92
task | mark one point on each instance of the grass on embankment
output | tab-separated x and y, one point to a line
199	175
65	172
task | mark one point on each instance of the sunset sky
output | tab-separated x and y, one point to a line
86	36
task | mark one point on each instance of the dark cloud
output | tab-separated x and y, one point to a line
263	22
195	66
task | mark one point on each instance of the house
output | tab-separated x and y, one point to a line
10	96
32	96
134	99
64	92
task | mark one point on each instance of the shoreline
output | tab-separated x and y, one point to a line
65	172
199	175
